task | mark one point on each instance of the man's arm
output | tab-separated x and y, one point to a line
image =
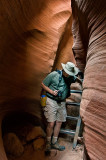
47	89
79	80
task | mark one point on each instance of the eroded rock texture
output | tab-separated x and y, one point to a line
32	36
35	36
89	29
13	145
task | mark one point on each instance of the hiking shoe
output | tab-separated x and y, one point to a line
48	146
57	146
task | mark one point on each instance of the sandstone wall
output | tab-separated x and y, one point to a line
33	34
89	29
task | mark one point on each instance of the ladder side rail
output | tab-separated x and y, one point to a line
77	132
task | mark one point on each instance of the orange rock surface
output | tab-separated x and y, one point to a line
35	36
89	29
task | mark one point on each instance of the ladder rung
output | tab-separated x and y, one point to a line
72	103
67	131
76	91
72	118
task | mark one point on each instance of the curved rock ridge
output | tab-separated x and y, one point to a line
31	34
89	29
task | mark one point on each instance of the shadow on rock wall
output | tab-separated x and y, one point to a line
31	32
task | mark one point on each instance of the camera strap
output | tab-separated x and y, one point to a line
60	78
60	75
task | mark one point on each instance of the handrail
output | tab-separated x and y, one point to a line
72	118
72	103
67	131
76	91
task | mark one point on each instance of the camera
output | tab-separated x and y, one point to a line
59	94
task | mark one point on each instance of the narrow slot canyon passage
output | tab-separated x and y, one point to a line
36	38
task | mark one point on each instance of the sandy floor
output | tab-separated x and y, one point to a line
67	154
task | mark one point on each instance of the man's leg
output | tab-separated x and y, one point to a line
49	132
49	129
56	131
57	128
55	144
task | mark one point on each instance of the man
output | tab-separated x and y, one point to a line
57	87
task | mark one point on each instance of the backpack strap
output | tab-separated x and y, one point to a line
60	73
60	78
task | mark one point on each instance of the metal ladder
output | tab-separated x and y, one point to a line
73	132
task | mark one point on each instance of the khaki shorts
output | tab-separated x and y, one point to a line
55	111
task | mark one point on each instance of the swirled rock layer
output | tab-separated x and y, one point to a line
89	30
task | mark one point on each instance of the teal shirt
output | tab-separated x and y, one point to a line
52	81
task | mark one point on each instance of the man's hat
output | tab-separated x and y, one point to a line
70	68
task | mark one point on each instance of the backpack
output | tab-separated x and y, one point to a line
60	77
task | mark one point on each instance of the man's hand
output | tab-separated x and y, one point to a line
55	92
79	80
